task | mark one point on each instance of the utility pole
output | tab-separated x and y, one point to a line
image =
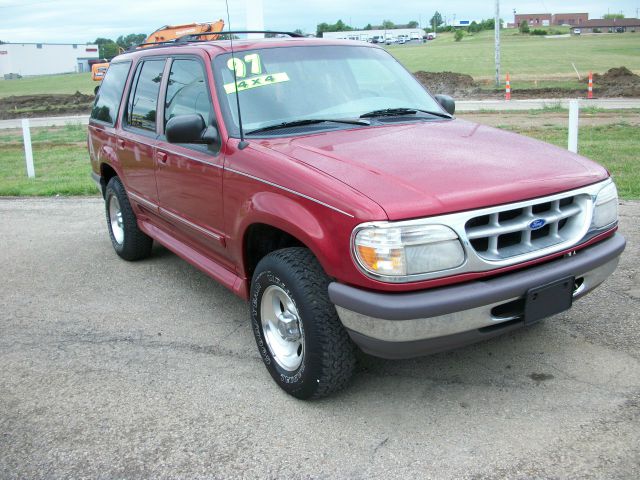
497	42
255	17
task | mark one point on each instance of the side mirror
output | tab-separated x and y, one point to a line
190	129
447	103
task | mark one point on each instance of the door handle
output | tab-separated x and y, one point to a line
162	157
120	143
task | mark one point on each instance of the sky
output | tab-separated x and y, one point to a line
81	21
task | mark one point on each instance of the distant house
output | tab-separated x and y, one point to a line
45	58
611	25
548	19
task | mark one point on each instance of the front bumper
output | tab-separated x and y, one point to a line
418	323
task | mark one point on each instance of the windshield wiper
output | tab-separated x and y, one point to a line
308	121
393	112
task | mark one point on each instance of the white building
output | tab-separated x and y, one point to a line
45	58
367	35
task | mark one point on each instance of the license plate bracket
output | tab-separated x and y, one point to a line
549	299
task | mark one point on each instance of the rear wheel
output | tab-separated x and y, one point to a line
304	346
127	239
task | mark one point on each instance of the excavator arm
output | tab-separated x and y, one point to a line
172	32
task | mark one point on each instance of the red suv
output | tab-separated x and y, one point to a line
321	182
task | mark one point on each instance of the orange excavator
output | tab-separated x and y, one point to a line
167	34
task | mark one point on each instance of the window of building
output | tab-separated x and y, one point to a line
38	45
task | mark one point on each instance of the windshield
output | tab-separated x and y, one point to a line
279	85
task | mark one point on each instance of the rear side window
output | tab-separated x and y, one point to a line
143	99
107	103
187	91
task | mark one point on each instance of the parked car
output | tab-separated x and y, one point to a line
349	210
576	31
431	36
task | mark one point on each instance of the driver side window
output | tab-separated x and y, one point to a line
187	91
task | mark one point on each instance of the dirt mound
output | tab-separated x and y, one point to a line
44	105
448	83
617	82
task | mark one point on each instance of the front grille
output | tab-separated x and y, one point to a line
509	232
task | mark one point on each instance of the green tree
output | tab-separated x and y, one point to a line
388	25
412	24
474	27
298	31
368	27
459	35
339	26
436	20
321	28
488	24
107	48
613	16
524	27
128	41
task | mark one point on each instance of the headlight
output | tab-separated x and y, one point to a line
401	250
605	211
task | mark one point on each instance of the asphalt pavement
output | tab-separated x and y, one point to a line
110	369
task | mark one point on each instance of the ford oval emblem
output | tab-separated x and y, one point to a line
537	224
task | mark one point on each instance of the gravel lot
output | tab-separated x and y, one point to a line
111	369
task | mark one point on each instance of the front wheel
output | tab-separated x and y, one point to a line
304	346
127	239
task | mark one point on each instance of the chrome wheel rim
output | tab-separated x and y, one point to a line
282	328
115	218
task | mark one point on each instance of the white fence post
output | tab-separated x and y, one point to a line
574	111
28	152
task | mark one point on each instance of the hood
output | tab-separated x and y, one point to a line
431	168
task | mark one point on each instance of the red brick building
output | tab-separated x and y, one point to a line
573	19
614	25
548	19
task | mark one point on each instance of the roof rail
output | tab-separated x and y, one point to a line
166	43
194	37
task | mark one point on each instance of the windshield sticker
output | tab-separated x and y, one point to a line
241	66
254	82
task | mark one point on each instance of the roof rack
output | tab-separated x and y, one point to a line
166	43
194	37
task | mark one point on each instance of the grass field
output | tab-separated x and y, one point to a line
49	84
62	162
527	58
60	158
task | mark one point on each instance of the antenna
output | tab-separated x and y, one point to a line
243	144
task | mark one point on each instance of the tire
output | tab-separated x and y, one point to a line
309	353
127	239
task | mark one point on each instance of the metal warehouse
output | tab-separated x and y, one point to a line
45	58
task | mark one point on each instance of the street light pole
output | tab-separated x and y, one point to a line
497	42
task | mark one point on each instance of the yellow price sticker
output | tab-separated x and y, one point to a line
254	82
